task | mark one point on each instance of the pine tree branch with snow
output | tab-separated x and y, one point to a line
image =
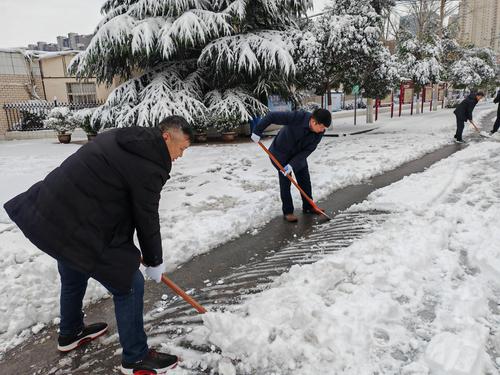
238	47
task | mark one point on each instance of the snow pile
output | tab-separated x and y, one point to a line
215	194
417	296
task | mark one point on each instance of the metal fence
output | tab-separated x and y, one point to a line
29	116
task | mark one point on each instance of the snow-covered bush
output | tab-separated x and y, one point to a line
60	119
476	68
310	106
225	123
84	119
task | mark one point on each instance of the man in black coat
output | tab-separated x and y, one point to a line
463	113
84	214
299	137
497	121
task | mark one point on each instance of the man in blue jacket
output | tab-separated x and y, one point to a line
463	112
299	137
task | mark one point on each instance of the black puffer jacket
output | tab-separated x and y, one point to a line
85	211
465	108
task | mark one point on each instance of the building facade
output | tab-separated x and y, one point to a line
61	86
479	23
72	42
20	80
39	79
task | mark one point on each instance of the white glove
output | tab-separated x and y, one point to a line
255	138
288	170
155	273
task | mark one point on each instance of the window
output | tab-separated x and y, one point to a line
81	92
12	63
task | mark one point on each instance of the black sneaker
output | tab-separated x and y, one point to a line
89	333
459	141
154	363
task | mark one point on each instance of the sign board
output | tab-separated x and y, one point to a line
277	103
336	101
355	90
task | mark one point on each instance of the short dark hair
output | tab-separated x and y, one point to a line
178	123
480	93
323	116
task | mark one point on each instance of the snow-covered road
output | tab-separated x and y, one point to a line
419	295
215	194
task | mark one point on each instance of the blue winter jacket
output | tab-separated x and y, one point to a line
295	141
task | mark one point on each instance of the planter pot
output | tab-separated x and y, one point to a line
200	137
64	138
228	136
91	136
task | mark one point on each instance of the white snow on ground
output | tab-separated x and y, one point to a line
216	193
419	295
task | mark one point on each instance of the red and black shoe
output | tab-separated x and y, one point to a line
154	363
89	333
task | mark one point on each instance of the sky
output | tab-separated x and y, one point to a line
45	20
23	22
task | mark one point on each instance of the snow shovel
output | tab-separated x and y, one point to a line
183	294
482	133
311	202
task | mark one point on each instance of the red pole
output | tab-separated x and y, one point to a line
412	98
423	99
377	103
432	99
392	103
401	97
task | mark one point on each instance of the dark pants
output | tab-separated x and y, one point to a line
304	181
497	124
128	311
460	128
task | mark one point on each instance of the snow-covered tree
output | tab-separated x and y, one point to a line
349	34
477	67
419	60
176	56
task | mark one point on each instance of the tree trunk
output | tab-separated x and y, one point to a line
417	110
369	111
441	17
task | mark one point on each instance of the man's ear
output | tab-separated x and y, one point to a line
166	136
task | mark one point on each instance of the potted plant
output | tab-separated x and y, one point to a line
60	119
227	125
83	119
200	129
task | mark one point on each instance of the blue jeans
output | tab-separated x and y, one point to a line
304	181
128	311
